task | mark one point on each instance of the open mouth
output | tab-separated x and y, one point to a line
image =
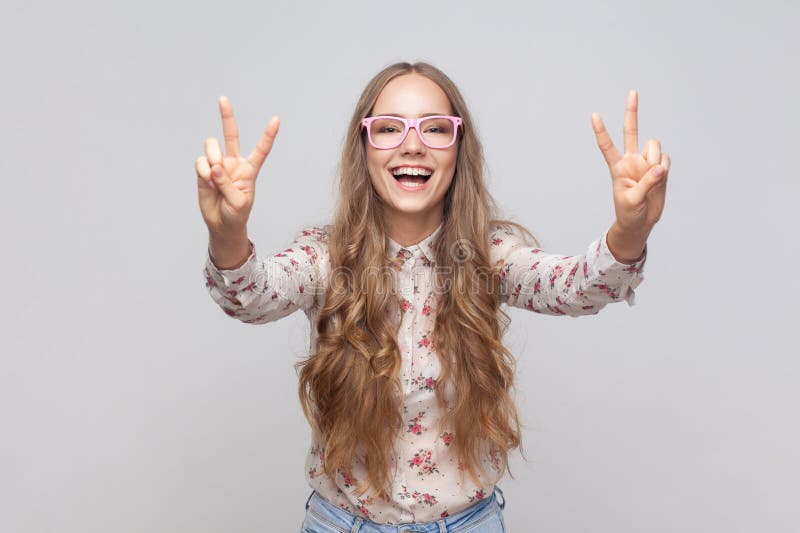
412	177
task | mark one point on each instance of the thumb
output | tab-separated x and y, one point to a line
223	182
651	179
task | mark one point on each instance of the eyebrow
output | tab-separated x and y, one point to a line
404	116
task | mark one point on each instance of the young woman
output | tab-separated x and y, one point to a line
408	386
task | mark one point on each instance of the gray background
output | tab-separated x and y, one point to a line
129	402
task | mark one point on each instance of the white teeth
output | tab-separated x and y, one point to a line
411	171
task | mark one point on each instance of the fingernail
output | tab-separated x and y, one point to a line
658	171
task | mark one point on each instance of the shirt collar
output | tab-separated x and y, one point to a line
423	248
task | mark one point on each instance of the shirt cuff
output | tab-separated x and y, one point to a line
231	282
614	274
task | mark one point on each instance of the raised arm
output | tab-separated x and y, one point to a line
262	291
560	284
251	290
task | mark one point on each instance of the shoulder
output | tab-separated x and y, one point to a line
314	233
507	235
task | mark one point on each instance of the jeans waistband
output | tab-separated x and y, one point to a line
442	525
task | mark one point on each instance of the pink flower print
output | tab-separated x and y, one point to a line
571	276
415	426
210	281
504	272
447	438
606	289
347	479
362	503
314	232
517	290
426	307
310	252
557	272
497	241
428	498
250	286
425	383
229	312
404	494
477	496
634	268
427	469
424	341
239	280
419	497
422	460
405	305
444	514
537	287
312	473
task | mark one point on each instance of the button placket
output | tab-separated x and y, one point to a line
404	334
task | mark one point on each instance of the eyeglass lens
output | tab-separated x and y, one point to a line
388	132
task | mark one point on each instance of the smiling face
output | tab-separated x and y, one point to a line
412	96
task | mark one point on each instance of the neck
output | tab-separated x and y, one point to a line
407	229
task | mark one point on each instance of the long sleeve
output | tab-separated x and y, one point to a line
562	285
264	291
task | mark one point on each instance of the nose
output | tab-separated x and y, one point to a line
412	143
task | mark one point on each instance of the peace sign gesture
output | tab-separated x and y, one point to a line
226	183
639	180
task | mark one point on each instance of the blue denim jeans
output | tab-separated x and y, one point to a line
486	516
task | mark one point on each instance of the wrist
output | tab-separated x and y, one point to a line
627	246
228	251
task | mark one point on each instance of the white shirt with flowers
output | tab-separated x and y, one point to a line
427	484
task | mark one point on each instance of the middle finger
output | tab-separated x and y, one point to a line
631	124
229	129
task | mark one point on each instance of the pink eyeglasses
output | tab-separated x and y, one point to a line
385	132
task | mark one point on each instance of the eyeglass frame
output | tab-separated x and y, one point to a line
409	123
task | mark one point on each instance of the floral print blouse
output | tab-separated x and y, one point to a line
427	484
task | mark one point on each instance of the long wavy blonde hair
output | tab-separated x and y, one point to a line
349	385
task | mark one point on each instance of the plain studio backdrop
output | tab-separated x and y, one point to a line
129	402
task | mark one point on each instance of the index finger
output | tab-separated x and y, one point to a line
610	152
631	124
262	149
229	128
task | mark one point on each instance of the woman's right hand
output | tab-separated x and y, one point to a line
226	183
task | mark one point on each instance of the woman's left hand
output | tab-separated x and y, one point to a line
639	180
